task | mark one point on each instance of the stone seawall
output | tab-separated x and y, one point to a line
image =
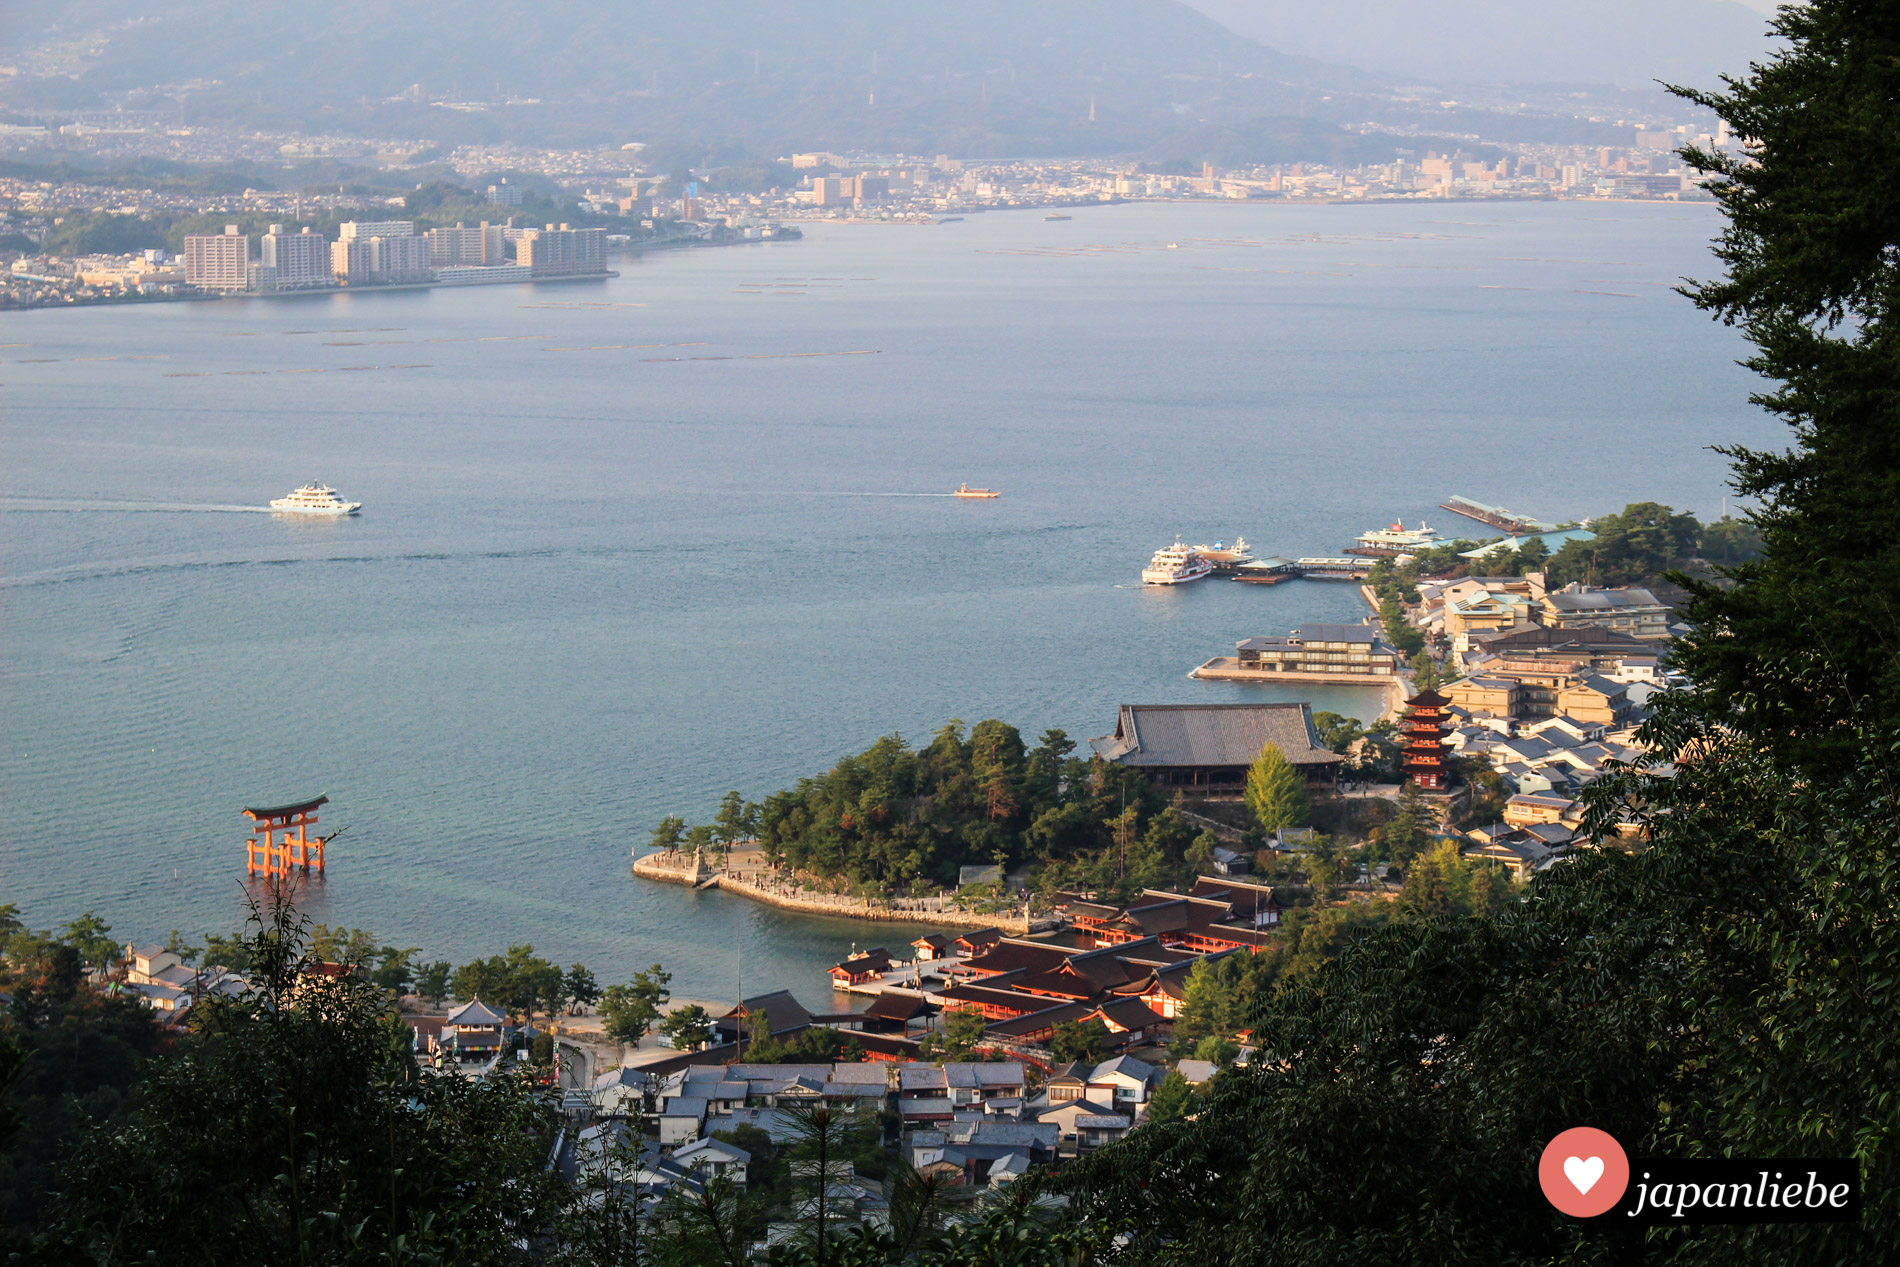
839	907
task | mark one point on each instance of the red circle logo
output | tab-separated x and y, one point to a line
1584	1172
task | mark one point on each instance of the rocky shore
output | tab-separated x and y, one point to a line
694	871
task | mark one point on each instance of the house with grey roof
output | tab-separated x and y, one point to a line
1206	748
1625	610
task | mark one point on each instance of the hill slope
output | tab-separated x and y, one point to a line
719	78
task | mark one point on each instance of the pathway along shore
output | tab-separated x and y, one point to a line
690	869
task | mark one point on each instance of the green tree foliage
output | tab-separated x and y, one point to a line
69	1059
296	1128
519	982
1402	836
1173	1099
1276	792
629	1011
1730	541
688	1027
960	1037
1630	547
1807	637
1079	1040
1337	733
1441	882
670	834
814	1045
92	938
896	819
432	980
737	820
579	986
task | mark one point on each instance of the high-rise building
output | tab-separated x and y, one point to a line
218	261
463	247
505	194
300	260
562	252
377	261
377	229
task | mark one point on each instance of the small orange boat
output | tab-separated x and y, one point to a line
964	490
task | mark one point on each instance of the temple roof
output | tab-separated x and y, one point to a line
1212	735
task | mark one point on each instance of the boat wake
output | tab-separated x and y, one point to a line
81	507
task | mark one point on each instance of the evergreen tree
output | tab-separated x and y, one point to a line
1276	792
1173	1099
629	1011
295	1127
1801	651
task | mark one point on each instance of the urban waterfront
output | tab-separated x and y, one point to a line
629	544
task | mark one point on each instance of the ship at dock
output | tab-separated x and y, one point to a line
1395	539
1175	565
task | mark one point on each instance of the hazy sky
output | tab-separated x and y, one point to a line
1626	42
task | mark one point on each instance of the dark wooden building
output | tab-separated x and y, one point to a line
1207	748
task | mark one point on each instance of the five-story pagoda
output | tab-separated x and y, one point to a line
1424	725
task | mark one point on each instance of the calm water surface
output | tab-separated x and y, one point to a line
629	544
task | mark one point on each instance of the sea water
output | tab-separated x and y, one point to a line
628	544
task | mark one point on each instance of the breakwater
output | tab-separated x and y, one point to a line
696	872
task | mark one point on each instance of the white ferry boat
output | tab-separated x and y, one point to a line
1396	539
316	499
1176	565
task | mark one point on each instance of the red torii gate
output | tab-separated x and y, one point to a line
267	854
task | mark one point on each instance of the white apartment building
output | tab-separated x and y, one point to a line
377	229
218	261
463	246
370	261
297	261
561	252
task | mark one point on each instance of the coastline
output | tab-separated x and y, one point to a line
698	874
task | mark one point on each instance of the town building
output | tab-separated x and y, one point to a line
218	261
462	246
376	229
1632	611
1486	696
298	261
1207	748
1591	645
563	251
359	258
1331	649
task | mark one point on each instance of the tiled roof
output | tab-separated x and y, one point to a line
1212	735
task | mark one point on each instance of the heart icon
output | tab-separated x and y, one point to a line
1583	1172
